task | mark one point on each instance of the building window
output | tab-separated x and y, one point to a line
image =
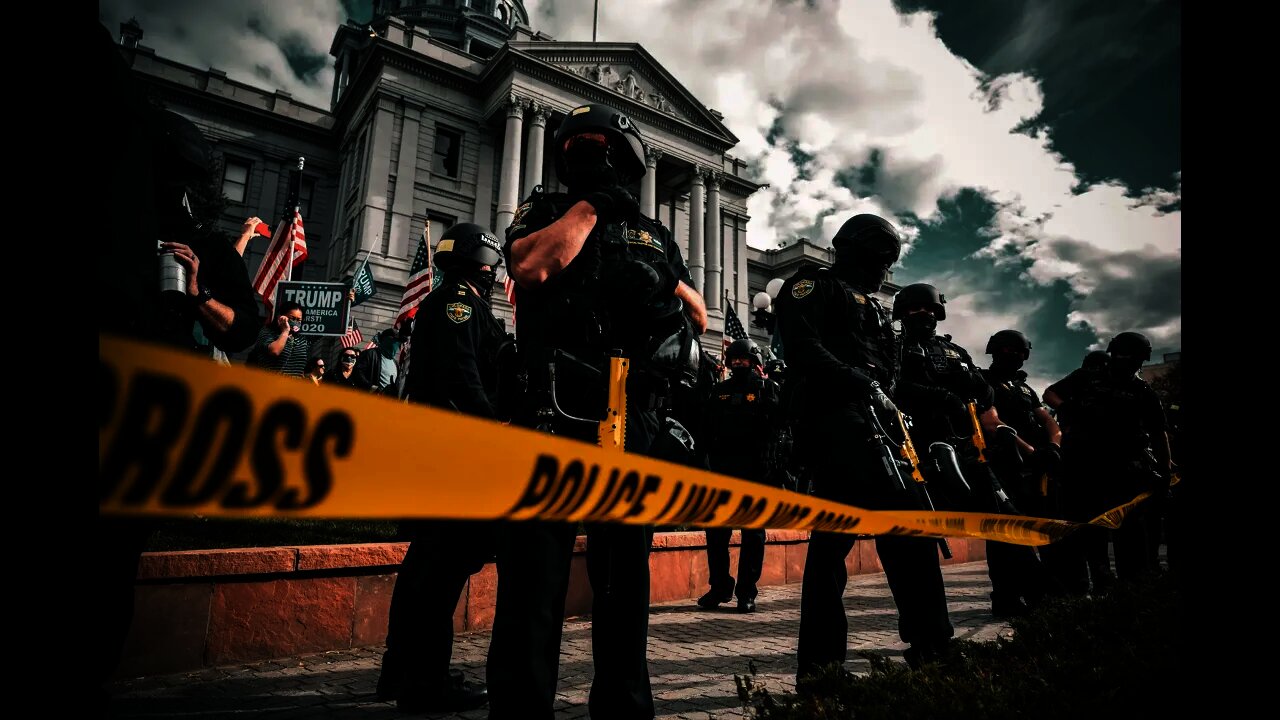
357	164
439	223
448	152
305	192
235	180
481	50
348	242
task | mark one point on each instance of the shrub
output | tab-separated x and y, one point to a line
1115	656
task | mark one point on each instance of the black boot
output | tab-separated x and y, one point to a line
1004	605
715	596
920	654
457	696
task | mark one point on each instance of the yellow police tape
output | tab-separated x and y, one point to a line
181	436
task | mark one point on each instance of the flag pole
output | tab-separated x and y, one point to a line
351	318
426	233
595	17
293	207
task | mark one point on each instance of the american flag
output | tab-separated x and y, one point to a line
733	330
353	336
276	265
510	286
419	277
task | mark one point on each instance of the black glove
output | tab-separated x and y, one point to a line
632	283
1005	504
614	204
883	406
1047	459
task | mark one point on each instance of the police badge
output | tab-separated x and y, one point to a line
458	312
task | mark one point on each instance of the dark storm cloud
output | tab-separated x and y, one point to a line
271	45
305	62
900	183
984	298
1111	74
1137	290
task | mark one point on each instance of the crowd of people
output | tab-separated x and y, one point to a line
596	278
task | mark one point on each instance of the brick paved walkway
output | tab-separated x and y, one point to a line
693	656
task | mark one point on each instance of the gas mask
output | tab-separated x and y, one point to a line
589	166
920	325
482	280
1007	362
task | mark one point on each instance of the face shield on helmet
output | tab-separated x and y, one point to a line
598	147
470	252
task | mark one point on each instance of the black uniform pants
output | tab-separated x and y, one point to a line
1095	483
118	548
1016	570
442	555
847	469
750	561
533	576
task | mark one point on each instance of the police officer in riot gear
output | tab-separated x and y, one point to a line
1096	540
593	276
1025	468
741	434
456	346
842	350
1115	445
939	380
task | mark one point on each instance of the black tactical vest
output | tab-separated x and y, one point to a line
938	362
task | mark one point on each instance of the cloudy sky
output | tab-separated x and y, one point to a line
1031	150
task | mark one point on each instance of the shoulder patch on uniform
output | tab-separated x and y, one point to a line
751	397
859	298
521	212
458	312
642	237
951	353
801	289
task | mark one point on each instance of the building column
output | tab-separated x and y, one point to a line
533	152
695	230
715	242
649	185
401	244
509	182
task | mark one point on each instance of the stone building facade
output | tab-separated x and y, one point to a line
444	112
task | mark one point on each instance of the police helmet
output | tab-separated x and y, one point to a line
744	349
626	147
1131	344
870	237
1096	360
1009	340
467	243
184	157
919	295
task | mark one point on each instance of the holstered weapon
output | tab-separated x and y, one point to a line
611	430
